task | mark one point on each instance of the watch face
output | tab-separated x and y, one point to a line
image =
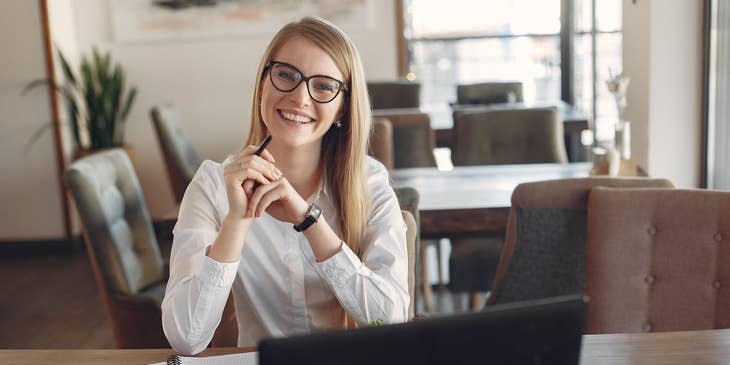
315	212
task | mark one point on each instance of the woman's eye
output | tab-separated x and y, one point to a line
326	86
287	75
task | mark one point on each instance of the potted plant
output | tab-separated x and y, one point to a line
97	102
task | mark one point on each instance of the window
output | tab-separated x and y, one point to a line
467	41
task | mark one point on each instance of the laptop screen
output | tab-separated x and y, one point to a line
544	331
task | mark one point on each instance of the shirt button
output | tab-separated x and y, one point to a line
716	284
646	327
652	230
718	237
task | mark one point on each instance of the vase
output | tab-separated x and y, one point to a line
622	139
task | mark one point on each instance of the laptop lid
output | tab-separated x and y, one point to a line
544	331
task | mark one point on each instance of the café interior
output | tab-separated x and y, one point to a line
537	148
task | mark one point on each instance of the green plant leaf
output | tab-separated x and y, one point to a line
130	100
66	68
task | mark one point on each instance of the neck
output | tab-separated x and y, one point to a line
301	166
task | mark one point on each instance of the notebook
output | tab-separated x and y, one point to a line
248	358
545	331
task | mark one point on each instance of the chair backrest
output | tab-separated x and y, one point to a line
413	138
411	232
408	200
381	142
657	260
116	222
394	94
181	158
490	93
508	136
544	250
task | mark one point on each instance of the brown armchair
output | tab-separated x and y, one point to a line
181	158
544	249
657	260
381	142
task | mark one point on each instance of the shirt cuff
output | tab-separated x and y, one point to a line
339	268
218	274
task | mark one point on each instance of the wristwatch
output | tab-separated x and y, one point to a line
313	214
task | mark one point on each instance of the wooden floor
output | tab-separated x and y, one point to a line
50	301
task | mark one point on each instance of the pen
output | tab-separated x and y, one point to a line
259	151
263	145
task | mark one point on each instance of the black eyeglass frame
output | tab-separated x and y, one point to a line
342	85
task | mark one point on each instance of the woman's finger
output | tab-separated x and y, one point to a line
267	199
248	188
256	197
268	156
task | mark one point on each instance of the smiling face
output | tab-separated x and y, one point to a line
293	118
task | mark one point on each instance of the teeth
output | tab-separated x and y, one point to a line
296	118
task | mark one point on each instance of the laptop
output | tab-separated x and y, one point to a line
544	331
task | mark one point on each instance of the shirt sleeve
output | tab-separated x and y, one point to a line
376	287
198	287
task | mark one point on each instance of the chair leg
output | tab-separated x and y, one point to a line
475	301
438	264
425	282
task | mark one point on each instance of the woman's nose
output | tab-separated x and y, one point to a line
300	94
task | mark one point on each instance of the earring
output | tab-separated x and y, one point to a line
338	124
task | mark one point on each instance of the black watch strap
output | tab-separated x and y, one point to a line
313	214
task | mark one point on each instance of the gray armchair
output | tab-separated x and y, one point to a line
508	136
181	158
122	246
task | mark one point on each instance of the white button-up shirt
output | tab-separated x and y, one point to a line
278	286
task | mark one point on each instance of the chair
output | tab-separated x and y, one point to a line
544	248
122	246
408	201
381	142
657	260
490	93
181	158
394	94
123	250
411	234
508	136
413	138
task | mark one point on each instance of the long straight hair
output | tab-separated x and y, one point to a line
343	149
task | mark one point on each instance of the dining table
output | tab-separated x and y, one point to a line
473	201
656	348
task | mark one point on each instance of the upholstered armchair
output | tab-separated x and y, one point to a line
544	249
394	94
408	200
490	93
508	136
121	245
381	142
181	158
413	138
657	260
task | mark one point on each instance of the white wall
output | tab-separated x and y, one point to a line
211	82
663	57
29	186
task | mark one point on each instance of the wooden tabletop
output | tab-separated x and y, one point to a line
665	348
474	200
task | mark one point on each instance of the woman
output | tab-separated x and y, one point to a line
252	225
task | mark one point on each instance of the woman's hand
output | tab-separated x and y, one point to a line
241	173
280	200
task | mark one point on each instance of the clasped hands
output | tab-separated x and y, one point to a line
254	184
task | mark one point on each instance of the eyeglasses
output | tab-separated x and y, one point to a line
321	88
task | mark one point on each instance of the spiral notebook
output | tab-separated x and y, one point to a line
247	358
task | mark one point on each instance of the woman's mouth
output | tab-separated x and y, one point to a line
295	118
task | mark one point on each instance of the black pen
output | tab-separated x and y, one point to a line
263	145
259	151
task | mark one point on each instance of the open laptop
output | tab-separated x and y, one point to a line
544	331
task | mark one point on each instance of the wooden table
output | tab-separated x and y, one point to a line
667	348
471	201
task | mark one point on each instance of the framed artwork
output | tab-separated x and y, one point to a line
136	21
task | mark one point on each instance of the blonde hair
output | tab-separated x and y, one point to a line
343	149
